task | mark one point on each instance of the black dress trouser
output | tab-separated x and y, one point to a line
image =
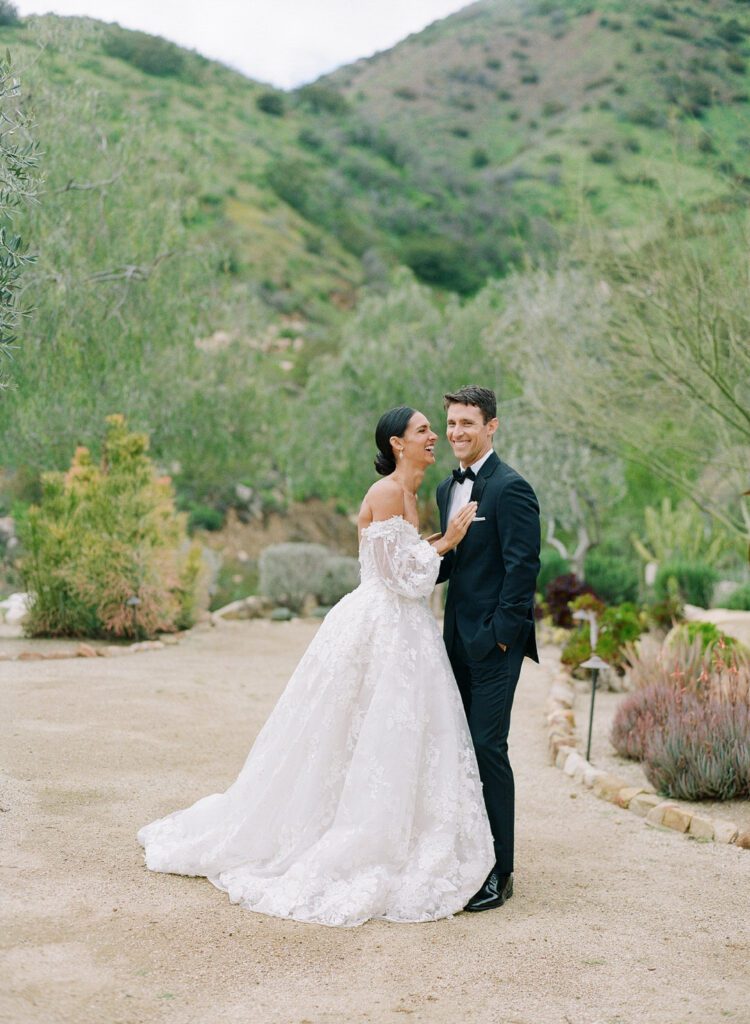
487	688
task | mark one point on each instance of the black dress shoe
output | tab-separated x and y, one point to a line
496	890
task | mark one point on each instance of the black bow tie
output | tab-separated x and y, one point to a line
459	475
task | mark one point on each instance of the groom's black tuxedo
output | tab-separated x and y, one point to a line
493	570
491	582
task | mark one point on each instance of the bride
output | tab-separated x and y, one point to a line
360	797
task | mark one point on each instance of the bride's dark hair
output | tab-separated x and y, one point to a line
391	424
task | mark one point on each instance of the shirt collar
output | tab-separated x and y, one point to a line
476	466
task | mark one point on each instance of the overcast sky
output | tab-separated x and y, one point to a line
286	42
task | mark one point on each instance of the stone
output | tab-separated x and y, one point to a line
58	655
562	715
146	645
30	656
572	763
581	768
281	615
114	651
743	840
701	828
169	639
624	796
564	694
562	756
606	787
642	803
591	775
656	815
677	819
725	831
85	651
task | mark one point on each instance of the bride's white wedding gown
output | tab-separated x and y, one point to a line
361	796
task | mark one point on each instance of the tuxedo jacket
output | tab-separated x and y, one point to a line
492	573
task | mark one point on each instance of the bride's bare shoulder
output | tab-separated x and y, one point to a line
384	500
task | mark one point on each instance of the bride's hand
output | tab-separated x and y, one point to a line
457	528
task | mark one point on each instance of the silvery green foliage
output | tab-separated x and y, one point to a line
289	572
340	577
19	186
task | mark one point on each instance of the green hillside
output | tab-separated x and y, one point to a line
218	260
511	114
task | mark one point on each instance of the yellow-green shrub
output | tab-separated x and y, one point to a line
103	534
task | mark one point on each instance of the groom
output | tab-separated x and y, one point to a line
489	610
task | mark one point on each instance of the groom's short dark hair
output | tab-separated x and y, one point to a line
471	394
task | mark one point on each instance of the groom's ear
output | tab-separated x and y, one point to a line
493	424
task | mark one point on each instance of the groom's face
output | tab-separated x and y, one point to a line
469	436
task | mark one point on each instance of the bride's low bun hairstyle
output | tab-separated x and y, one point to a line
391	424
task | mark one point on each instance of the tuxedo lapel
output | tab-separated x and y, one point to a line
443	497
485	472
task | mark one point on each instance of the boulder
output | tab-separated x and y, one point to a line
14	609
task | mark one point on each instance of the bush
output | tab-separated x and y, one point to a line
340	577
739	600
560	593
552	565
444	263
102	535
480	157
618	626
152	54
706	633
690	724
691	582
322	99
271	102
290	572
614	579
8	13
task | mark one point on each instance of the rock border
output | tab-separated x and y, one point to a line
84	650
641	800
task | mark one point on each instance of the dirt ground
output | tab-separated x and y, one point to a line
611	922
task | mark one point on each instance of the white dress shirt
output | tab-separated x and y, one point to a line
461	493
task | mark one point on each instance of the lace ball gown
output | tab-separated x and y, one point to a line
360	797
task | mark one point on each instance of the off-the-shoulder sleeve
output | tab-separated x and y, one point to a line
407	565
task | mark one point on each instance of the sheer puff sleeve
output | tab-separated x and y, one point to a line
404	562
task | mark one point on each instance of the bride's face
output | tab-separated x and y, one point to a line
418	442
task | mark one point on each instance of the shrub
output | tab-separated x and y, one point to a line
8	13
706	633
340	576
552	565
602	155
691	582
322	99
443	262
690	723
701	751
736	63
618	626
290	572
613	578
731	31
271	102
560	593
739	599
152	54
204	517
480	157
101	535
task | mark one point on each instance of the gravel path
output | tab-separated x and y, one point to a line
611	923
